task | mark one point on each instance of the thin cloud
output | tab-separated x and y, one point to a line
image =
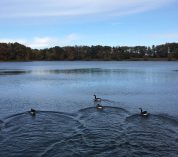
70	8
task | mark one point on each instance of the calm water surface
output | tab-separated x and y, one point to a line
67	122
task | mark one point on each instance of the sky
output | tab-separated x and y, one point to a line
47	23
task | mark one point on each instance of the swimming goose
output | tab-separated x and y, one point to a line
99	107
143	113
33	112
96	99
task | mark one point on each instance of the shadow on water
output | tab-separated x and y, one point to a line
61	71
1	124
82	71
175	70
13	72
89	132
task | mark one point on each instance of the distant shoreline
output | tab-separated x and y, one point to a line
152	59
131	59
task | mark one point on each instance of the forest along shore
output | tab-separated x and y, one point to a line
19	52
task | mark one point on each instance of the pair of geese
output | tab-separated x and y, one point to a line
100	107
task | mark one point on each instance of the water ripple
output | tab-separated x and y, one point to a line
88	132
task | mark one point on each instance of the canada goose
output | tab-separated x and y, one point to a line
99	107
96	99
33	112
143	113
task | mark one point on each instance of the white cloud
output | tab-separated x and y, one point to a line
71	37
40	42
6	40
164	36
40	8
46	42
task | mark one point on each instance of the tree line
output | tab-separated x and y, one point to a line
18	52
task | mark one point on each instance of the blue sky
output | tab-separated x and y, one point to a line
47	23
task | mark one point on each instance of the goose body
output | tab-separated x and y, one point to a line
143	113
33	112
99	107
96	99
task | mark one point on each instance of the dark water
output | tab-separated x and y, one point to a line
67	122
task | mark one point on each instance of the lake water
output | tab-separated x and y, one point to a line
67	122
